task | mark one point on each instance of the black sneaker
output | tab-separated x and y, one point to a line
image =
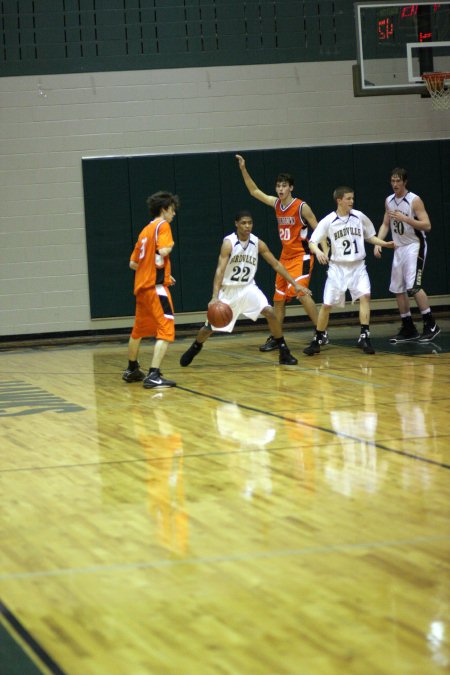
155	379
190	355
429	333
270	345
136	375
314	348
325	339
286	358
405	334
365	344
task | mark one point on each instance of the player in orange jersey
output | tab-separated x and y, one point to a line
294	216
154	307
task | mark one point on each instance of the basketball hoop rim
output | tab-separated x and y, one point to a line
438	85
437	75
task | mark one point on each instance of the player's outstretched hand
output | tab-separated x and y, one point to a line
302	290
389	244
241	161
321	257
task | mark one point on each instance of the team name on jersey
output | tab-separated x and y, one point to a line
243	257
346	231
286	220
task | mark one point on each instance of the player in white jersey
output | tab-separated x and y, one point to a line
234	283
405	216
346	229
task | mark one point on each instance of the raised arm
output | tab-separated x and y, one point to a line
251	185
224	255
263	249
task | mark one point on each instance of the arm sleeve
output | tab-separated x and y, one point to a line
136	252
320	232
368	226
164	237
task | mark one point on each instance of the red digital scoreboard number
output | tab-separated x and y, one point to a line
386	26
385	29
411	10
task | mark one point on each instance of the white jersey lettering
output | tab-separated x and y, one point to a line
346	235
243	261
403	233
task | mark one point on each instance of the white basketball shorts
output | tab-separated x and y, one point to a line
247	300
341	277
404	268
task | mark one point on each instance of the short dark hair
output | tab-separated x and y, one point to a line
341	191
242	214
161	200
401	173
285	178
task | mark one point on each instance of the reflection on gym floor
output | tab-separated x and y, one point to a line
254	519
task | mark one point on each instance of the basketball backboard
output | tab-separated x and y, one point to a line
397	42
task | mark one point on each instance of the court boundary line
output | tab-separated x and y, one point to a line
39	657
332	432
208	560
337	434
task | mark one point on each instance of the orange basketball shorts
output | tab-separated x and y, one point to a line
154	314
300	269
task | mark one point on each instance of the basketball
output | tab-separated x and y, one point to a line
219	314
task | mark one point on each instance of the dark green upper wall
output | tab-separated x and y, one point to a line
211	190
72	36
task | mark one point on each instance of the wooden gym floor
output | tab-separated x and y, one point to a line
256	519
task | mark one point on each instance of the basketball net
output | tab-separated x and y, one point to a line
438	85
